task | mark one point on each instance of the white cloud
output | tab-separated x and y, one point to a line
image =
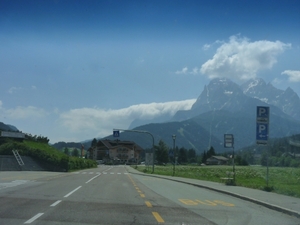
22	112
183	71
206	47
294	75
241	59
100	122
14	90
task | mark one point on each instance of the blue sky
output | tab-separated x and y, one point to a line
74	70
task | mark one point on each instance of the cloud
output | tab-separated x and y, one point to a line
294	75
241	59
206	47
185	70
14	90
101	122
29	112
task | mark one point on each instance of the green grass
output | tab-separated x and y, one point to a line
281	180
38	145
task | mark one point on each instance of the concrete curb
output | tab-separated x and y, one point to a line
265	204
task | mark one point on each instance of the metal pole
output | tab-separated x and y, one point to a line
174	153
267	178
233	166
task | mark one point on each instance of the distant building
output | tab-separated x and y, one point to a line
217	160
116	151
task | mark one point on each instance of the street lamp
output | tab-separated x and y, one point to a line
174	154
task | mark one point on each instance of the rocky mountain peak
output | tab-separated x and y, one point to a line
220	93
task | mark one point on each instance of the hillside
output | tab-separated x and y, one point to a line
46	155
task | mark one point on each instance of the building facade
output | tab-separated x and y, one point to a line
116	152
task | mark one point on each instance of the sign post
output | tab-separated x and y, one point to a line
262	130
229	143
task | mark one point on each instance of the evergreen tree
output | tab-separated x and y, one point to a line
211	152
75	152
191	154
161	152
204	157
66	151
182	155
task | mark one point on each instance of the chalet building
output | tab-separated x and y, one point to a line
217	160
116	151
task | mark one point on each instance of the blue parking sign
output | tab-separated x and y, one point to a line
262	125
116	133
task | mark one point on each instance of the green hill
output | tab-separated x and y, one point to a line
47	155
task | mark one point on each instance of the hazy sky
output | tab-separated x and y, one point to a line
73	70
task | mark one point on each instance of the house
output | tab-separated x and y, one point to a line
116	151
217	160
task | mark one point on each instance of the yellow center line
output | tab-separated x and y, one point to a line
142	195
158	217
148	204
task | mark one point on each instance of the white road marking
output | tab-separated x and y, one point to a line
67	195
56	203
34	218
13	183
92	178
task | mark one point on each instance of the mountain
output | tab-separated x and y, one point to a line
243	125
7	127
223	94
61	145
223	107
286	100
140	122
189	134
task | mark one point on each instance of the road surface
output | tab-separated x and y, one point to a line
112	195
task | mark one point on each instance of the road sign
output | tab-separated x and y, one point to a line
262	125
262	133
116	133
262	114
228	141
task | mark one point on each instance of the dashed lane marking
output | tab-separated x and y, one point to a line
148	204
158	218
33	218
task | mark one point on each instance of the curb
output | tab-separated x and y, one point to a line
265	204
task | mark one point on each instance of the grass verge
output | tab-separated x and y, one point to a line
280	180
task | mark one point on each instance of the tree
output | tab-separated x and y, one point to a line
75	152
66	151
191	154
161	152
182	155
204	157
211	152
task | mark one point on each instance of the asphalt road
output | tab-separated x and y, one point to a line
111	195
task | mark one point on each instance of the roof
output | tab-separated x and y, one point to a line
221	158
110	144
